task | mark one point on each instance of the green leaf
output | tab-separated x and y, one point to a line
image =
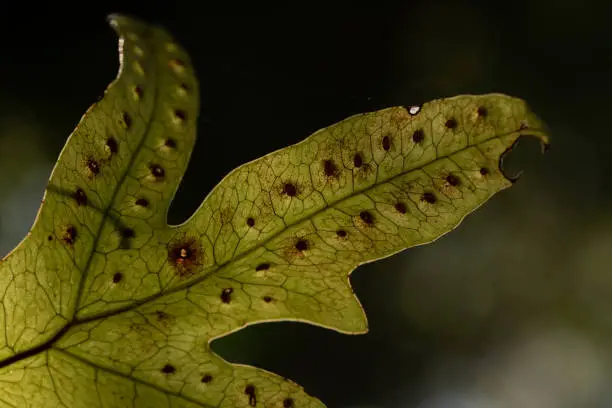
106	305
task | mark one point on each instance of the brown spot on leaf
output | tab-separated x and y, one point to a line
170	143
168	369
366	217
206	378
226	295
80	197
267	299
451	123
117	277
250	222
176	64
483	112
301	245
453	180
180	115
289	189
288	403
70	235
330	168
127	232
127	120
418	136
157	171
386	143
400	207
262	267
142	202
93	166
428	197
357	160
341	233
111	145
50	238
250	391
484	171
185	255
138	92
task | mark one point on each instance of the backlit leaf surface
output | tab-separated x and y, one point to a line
106	305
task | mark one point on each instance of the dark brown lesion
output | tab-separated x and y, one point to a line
418	136
226	295
168	369
157	171
80	197
290	189
453	180
127	120
386	143
329	168
112	146
93	166
288	403
249	390
429	197
400	207
366	217
70	235
185	256
451	123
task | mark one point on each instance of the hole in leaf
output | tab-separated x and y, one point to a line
226	295
413	110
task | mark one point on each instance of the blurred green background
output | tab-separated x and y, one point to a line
512	309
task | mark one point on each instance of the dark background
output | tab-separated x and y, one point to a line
512	309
